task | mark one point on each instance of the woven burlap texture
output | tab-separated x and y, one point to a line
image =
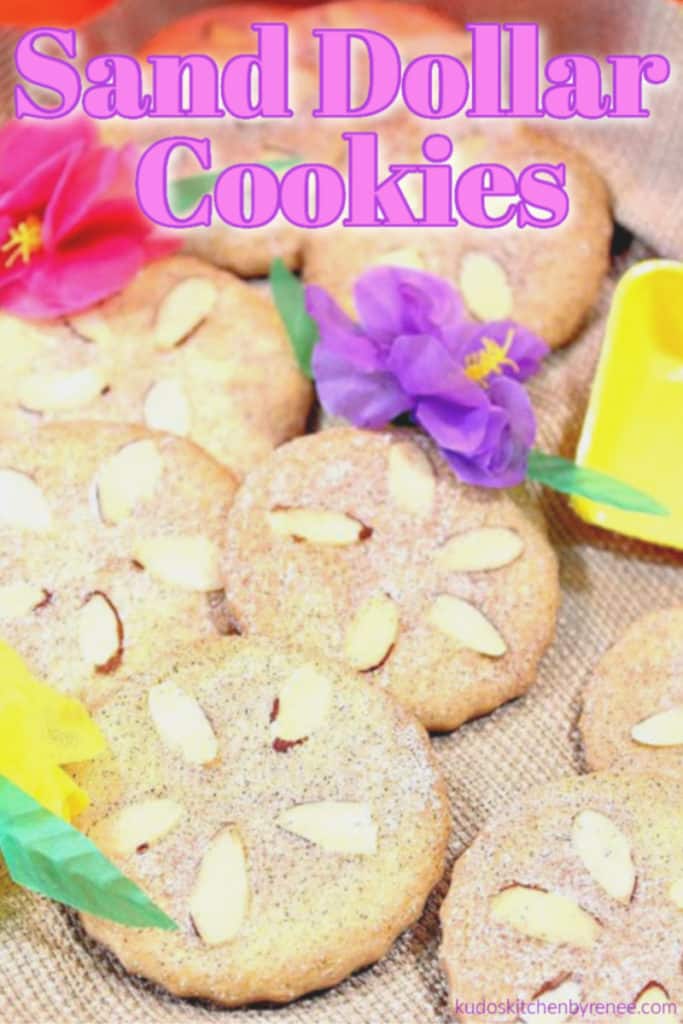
51	974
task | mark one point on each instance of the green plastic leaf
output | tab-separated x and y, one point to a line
563	475
49	856
288	294
185	193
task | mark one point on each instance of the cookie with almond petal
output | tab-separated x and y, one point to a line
633	700
570	898
365	547
546	280
184	348
109	549
288	816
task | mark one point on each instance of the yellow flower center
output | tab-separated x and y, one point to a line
24	239
479	366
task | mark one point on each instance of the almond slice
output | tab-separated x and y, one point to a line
167	408
317	526
336	826
302	705
127	478
490	547
191	563
411	479
183	309
372	633
90	327
567	991
220	895
676	893
100	633
404	257
606	854
22	503
136	827
20	598
466	625
654	995
61	390
485	287
547	916
181	723
665	729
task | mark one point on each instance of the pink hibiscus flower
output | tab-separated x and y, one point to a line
71	231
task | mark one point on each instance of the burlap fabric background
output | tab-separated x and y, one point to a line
51	974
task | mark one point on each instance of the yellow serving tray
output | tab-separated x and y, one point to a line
634	424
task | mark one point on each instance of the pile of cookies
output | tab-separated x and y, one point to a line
265	624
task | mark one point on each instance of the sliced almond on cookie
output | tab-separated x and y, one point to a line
189	562
128	478
303	702
62	390
411	479
336	826
22	503
485	287
183	309
167	408
490	547
606	854
547	916
676	893
665	729
372	633
404	257
317	526
136	827
566	991
100	633
220	895
653	995
90	327
466	626
181	723
20	598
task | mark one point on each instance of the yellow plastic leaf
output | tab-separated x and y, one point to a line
40	730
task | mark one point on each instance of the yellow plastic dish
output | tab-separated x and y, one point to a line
634	425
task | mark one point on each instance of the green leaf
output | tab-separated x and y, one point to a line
563	475
185	193
288	293
49	856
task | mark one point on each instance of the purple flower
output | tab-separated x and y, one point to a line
414	352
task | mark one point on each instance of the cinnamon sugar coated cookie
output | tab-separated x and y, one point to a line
109	549
546	280
289	817
184	348
633	701
363	546
574	897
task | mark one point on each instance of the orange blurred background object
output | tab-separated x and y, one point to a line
55	13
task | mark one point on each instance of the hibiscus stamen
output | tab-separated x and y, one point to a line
491	359
24	239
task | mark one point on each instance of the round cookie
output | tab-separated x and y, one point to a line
289	817
363	545
225	32
108	549
184	348
633	700
575	895
547	280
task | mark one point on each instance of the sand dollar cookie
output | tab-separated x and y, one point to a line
633	701
547	280
109	549
184	348
573	896
364	546
289	817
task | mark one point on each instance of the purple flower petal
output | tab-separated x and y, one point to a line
458	427
366	399
392	301
338	332
424	366
503	347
